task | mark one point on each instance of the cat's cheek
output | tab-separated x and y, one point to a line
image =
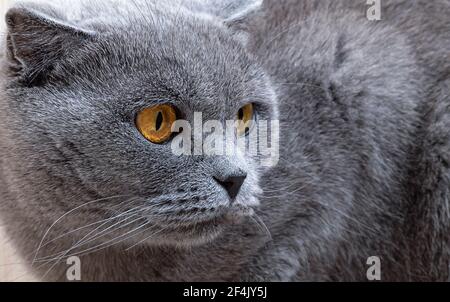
248	202
250	191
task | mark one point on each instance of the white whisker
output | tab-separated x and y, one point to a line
65	215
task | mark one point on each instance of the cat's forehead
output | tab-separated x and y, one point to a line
201	68
154	53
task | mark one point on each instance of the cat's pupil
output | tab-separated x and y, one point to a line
241	114
159	121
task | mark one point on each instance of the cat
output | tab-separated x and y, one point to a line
364	115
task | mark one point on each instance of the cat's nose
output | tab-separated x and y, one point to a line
232	184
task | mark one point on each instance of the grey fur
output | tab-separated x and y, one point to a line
365	114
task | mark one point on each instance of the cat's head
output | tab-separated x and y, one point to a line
87	95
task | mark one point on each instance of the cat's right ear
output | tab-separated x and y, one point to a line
235	14
37	41
240	12
238	15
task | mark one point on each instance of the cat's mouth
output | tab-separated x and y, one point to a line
233	216
201	231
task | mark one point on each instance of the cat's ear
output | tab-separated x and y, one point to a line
37	40
238	13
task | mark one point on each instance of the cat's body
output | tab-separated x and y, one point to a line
365	149
389	134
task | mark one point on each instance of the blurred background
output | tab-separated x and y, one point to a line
11	268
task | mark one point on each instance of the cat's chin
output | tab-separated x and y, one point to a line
201	233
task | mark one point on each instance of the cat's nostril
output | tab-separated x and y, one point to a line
232	184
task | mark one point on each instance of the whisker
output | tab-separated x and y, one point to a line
281	189
111	230
265	228
65	215
90	237
283	194
110	243
96	248
87	226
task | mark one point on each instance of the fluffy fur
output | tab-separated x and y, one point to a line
365	147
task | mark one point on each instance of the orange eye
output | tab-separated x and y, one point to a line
155	123
246	119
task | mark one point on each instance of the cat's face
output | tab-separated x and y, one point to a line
80	102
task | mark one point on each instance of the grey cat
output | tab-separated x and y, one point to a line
364	109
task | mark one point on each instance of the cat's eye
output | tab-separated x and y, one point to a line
246	119
155	123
